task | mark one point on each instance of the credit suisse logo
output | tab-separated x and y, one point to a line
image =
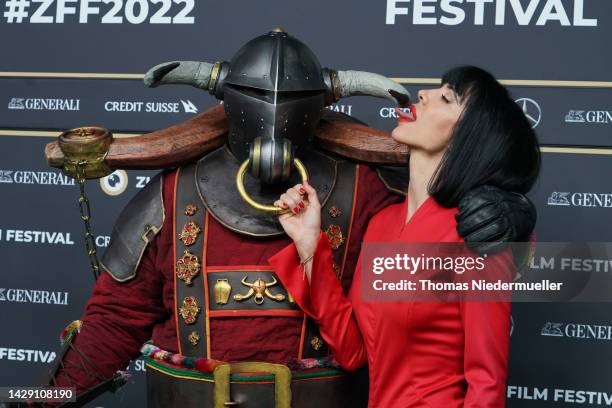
182	106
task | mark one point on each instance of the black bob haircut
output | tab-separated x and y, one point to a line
492	143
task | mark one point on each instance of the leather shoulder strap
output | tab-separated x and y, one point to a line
336	219
190	289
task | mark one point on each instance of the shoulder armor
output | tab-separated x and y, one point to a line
137	225
395	178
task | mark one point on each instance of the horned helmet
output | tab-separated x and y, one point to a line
274	92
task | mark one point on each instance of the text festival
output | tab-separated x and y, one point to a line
497	12
589	398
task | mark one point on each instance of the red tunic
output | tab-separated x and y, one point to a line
420	354
120	317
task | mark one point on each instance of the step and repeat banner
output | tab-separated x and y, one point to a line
69	63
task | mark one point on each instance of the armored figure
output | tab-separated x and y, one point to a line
186	273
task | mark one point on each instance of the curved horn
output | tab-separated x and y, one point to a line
350	83
194	73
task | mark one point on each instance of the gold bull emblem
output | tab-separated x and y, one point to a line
259	288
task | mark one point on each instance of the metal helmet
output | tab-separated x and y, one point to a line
274	92
274	96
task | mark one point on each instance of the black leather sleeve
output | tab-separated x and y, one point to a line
489	218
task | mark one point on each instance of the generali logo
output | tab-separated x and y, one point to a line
593	116
568	199
54	178
49	104
577	331
34	296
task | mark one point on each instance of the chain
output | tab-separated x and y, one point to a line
86	217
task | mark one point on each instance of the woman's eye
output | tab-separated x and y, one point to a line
445	99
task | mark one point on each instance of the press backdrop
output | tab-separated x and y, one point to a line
68	63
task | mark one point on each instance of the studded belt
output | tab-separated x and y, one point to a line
253	385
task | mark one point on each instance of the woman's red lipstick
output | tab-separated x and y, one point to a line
403	116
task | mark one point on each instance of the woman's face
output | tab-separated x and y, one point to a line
431	121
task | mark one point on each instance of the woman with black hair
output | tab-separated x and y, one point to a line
466	133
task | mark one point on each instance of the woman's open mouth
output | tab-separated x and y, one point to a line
403	116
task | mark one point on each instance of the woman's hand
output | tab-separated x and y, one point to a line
303	222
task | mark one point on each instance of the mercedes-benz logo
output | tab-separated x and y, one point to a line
531	109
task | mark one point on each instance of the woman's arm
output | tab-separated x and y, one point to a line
323	300
487	337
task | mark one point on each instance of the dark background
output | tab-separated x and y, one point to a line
345	35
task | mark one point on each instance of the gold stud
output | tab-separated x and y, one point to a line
189	234
335	212
316	343
190	210
187	267
337	270
194	338
334	235
189	310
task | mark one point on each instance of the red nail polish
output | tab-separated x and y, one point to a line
301	204
302	190
295	209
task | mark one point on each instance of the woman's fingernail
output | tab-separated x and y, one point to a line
302	190
295	209
301	204
284	205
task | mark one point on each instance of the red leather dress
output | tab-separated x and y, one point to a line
420	354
